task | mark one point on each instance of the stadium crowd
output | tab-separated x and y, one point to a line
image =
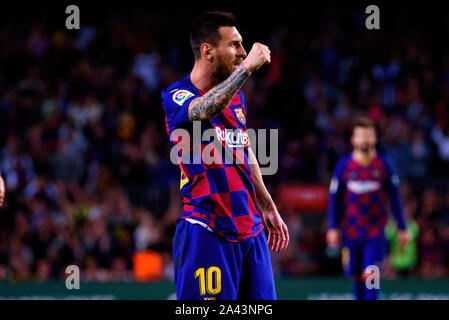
85	156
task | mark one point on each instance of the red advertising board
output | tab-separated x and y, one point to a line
302	197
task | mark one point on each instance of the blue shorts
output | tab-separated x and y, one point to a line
357	255
208	267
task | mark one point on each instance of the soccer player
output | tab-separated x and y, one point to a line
220	250
362	185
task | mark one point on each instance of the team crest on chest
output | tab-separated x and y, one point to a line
240	115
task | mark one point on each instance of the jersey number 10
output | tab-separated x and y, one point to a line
213	287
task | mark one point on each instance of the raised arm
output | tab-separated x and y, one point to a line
219	97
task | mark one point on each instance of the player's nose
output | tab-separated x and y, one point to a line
241	53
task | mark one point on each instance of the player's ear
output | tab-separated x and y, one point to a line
207	51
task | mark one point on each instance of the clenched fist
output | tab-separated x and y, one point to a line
257	57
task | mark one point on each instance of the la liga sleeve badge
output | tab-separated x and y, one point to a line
180	96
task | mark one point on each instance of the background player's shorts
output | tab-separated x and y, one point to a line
357	255
210	267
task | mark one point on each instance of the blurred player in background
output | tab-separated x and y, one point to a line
362	185
220	250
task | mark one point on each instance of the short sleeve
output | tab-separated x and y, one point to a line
176	104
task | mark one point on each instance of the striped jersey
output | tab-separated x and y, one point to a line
360	196
216	182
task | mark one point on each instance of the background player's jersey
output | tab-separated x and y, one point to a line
359	197
218	194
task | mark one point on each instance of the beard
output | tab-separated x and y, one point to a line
365	147
223	70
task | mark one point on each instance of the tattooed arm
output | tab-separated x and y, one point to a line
219	97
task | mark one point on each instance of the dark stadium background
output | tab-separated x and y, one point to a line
84	152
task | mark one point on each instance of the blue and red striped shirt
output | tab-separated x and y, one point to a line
359	198
218	194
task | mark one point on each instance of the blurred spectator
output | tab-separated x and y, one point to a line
403	260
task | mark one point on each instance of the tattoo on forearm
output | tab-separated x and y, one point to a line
219	97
